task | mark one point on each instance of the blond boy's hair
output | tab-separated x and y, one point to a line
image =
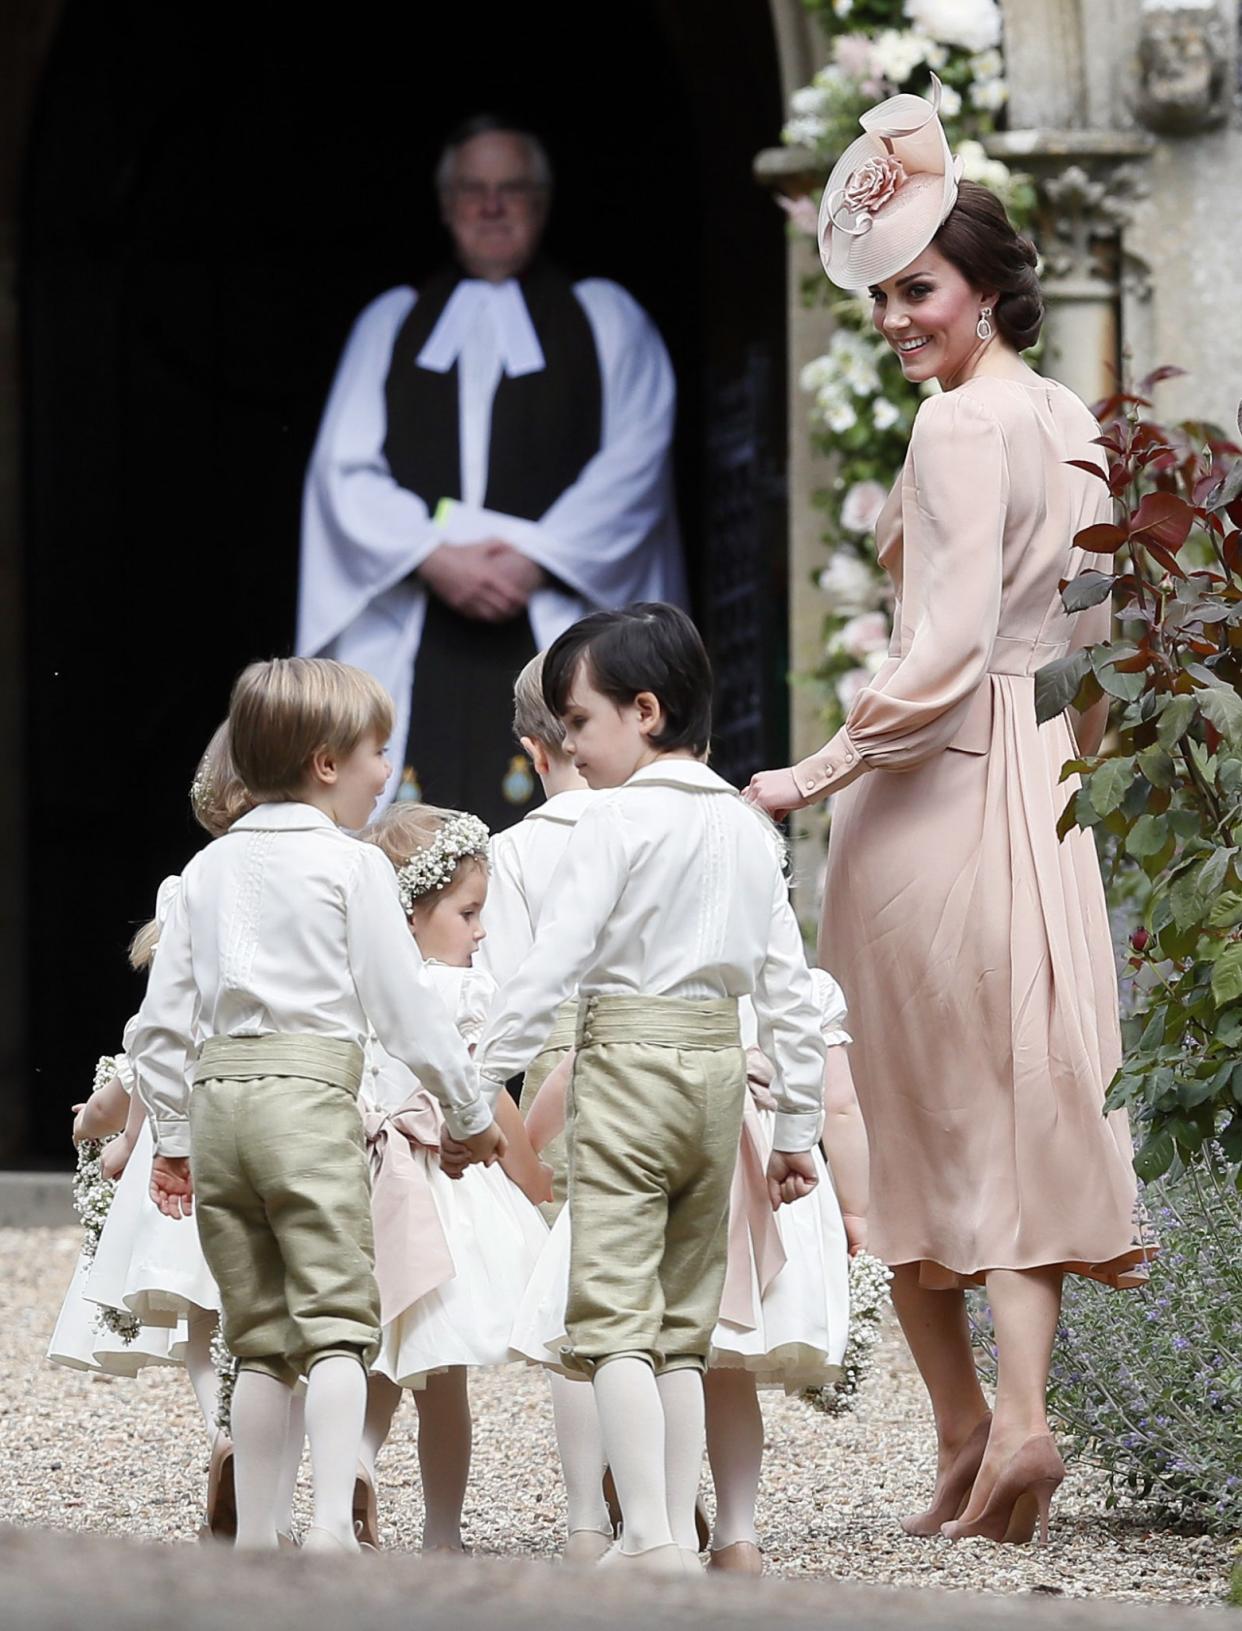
284	711
532	717
403	829
218	796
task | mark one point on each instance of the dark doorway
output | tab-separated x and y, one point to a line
212	195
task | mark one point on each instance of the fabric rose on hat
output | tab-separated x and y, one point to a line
872	185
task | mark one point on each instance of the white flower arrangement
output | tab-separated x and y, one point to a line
974	25
850	585
225	1362
869	1299
897	52
461	837
862	505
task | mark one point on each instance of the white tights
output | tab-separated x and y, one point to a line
581	1447
735	1451
201	1367
653	1436
336	1401
445	1438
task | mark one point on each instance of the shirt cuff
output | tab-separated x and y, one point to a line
465	1120
172	1136
829	770
795	1132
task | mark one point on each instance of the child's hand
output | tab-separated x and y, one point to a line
115	1158
454	1157
79	1111
855	1232
791	1176
172	1189
487	1146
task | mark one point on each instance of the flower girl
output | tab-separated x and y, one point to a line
452	1257
784	1316
84	1337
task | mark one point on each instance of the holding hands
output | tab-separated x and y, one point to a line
456	1155
172	1189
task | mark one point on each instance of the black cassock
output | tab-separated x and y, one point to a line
545	428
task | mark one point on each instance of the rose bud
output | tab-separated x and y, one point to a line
1140	939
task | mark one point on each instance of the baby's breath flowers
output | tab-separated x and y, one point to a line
461	837
226	1377
869	1279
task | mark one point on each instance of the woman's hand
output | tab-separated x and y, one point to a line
774	791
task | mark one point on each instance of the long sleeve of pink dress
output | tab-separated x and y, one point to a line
974	948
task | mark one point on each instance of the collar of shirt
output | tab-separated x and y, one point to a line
565	808
283	817
691	774
472	302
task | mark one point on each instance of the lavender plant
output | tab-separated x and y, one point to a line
1148	1384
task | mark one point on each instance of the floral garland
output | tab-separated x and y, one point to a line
862	407
461	837
869	1301
92	1200
225	1362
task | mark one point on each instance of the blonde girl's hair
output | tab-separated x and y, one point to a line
285	710
142	946
532	717
218	796
430	848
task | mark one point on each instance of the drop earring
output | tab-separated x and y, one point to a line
983	328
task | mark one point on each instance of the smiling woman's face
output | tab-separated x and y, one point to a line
927	312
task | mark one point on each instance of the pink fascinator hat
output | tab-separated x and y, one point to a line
889	192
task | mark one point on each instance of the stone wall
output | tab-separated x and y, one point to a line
1142	96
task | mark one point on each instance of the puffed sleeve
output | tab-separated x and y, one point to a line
830	1000
951	601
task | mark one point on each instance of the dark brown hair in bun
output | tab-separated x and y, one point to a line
978	237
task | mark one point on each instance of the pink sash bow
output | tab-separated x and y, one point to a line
412	1255
752	1228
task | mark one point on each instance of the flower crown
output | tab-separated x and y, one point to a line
460	838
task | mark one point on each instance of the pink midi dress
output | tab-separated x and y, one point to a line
972	945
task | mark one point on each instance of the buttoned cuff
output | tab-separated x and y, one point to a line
829	770
465	1120
171	1134
795	1133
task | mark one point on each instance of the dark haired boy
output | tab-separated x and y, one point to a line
670	905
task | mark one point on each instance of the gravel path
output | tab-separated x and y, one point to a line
129	1458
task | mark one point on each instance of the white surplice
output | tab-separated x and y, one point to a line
609	539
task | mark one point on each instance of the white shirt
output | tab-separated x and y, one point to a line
286	925
671	886
610	538
522	863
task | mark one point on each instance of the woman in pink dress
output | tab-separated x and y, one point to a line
973	947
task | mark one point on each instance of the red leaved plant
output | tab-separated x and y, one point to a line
1168	788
